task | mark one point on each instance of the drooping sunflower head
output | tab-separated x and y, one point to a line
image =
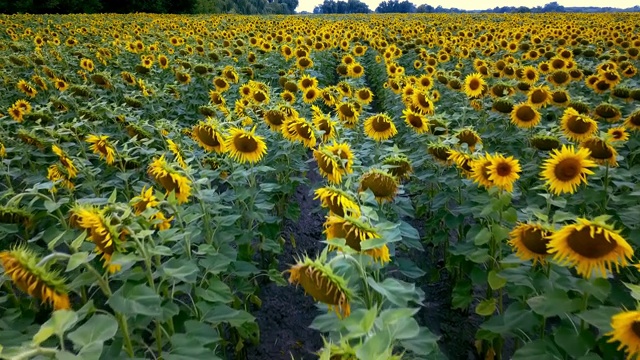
601	151
207	135
145	200
560	98
323	284
170	179
21	265
380	127
328	165
274	118
15	215
525	115
383	185
101	145
607	112
422	102
530	241
577	127
470	137
351	229
503	171
591	246
245	146
338	201
304	131
632	122
398	166
566	169
324	124
503	105
544	142
347	113
440	152
463	161
343	152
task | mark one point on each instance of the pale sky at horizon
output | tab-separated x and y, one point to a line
308	5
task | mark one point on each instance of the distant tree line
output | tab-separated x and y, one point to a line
405	6
248	7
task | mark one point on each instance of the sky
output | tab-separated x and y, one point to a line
308	5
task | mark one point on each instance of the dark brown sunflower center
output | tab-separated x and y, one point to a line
364	95
259	96
503	169
382	186
606	112
603	85
538	96
423	101
635	327
440	153
245	143
560	97
221	83
304	62
468	138
535	241
525	114
346	111
304	131
320	287
617	134
415	121
474	84
591	247
530	75
578	125
567	169
599	149
325	164
560	77
207	137
380	124
311	94
333	202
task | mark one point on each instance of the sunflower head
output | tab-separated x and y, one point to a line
440	152
503	105
245	146
380	127
503	171
591	246
474	85
632	122
172	180
618	134
577	127
470	137
145	200
329	165
383	185
530	241
601	151
544	142
324	285
607	112
416	121
338	201
207	135
566	169
626	330
398	166
525	115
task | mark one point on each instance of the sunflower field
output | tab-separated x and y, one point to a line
152	168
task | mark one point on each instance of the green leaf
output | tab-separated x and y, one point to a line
375	347
600	317
398	292
77	242
635	290
76	260
424	343
499	232
181	269
368	320
404	329
515	319
537	350
408	268
461	296
220	313
486	307
483	237
495	280
573	343
99	328
131	300
58	324
91	351
553	303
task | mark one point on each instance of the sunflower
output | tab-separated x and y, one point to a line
416	121
310	95
100	145
216	98
60	84
16	113
260	96
530	241
540	96
608	112
545	142
27	88
100	232
566	169
560	98
380	127
590	246
577	127
632	122
304	132
221	84
355	70
618	134
23	267
348	114
344	154
338	201
474	85
480	170
600	151
274	118
170	179
364	95
354	232
87	64
307	82
319	281
245	146
383	185
304	63
503	172
144	201
288	96
525	116
463	162
398	166
328	165
324	124
530	75
421	101
626	330
65	160
440	152
469	137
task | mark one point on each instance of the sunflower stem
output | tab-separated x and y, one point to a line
606	187
31	353
122	323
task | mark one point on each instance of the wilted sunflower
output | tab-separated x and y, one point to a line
566	169
632	122
626	330
354	231
100	231
469	137
170	179
577	127
100	145
600	151
383	185
319	281
503	172
525	116
338	201
379	127
530	241
144	201
65	160
398	166
480	170
207	135
22	266
618	134
245	146
545	142
590	246
474	85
